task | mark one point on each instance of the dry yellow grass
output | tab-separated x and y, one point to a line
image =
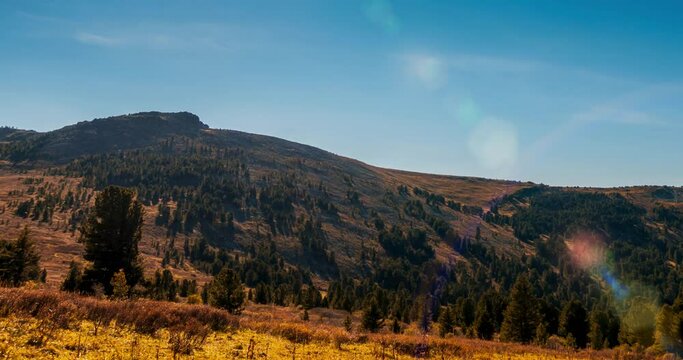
47	324
118	342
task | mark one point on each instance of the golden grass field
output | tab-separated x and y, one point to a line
46	324
116	342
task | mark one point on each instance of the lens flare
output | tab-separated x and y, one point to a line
619	290
428	69
637	304
464	110
589	252
494	144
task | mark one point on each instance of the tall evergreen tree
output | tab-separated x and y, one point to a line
521	315
226	292
666	337
396	326
111	235
446	321
484	322
19	260
372	318
604	328
574	322
542	335
465	312
72	281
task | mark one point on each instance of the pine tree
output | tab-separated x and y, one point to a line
119	285
261	294
396	327
521	315
226	292
19	260
596	336
665	330
72	281
465	312
573	320
446	321
26	259
484	325
541	336
372	320
111	235
604	328
677	309
425	318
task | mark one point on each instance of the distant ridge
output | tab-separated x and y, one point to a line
104	135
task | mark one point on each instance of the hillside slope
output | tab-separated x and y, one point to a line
212	194
357	190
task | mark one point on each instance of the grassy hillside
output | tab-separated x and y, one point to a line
358	192
305	227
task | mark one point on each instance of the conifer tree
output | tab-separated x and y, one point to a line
111	235
596	338
604	329
521	315
19	260
465	312
573	320
446	321
396	327
119	285
666	337
226	292
425	315
484	325
372	319
72	281
541	336
26	262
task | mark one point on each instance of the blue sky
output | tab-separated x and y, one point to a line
559	92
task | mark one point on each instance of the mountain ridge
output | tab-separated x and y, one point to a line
184	123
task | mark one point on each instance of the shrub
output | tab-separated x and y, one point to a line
144	316
194	299
185	338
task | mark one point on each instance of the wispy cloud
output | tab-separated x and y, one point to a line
618	114
625	110
482	63
151	35
95	39
179	37
427	65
